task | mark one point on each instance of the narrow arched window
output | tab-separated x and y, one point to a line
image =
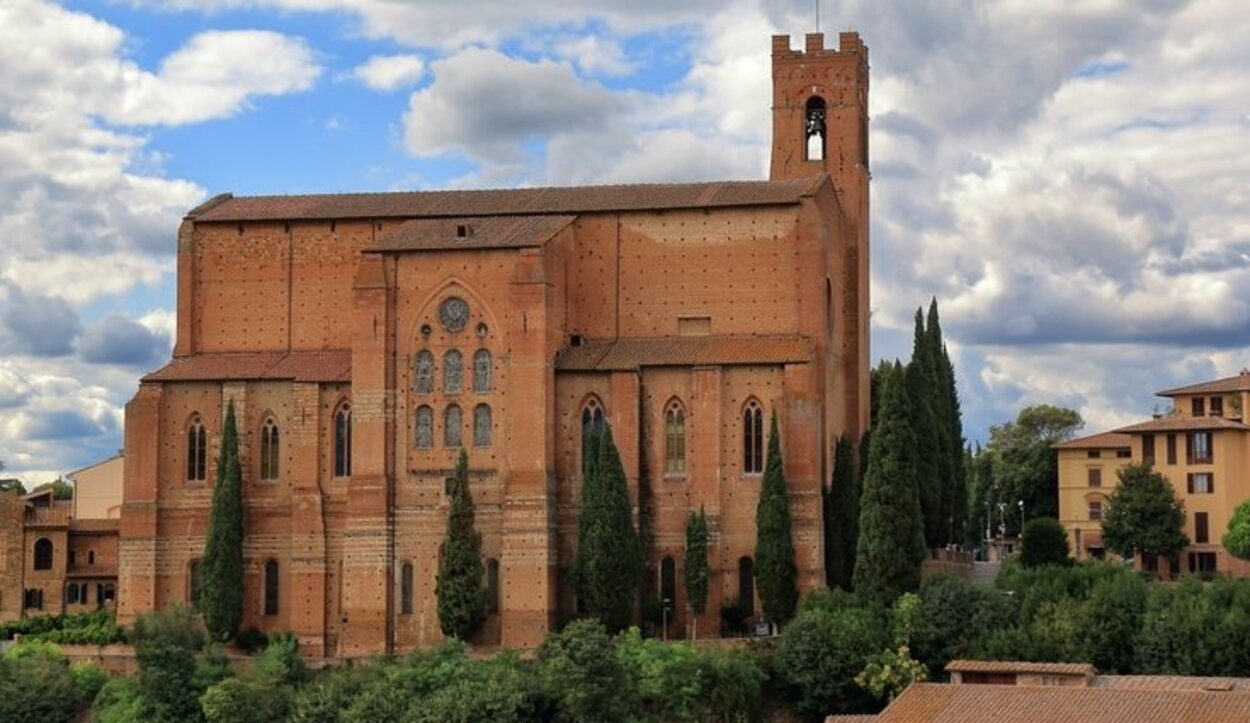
405	589
675	439
193	582
71	593
453	372
343	441
425	427
753	438
197	451
592	427
668	583
43	554
90	557
481	371
492	586
746	584
269	451
453	424
271	587
424	372
816	122
481	425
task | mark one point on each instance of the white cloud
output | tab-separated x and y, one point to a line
390	72
594	54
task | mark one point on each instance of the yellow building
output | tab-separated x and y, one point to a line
1202	446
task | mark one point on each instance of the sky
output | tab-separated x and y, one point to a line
1070	179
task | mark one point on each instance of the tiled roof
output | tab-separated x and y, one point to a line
511	202
937	703
1183	424
1239	383
1171	682
626	354
482	232
1013	666
299	366
1105	440
851	719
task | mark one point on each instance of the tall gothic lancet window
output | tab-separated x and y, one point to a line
271	587
481	425
424	372
675	436
425	427
481	371
343	441
197	451
592	426
452	426
753	438
453	372
269	451
816	119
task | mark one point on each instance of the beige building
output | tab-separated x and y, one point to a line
1202	445
98	490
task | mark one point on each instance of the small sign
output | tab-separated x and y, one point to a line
763	629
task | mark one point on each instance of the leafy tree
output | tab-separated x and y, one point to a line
61	490
979	483
1110	620
221	594
1024	465
461	601
165	642
1237	538
955	492
953	614
891	533
841	513
822	652
696	565
889	673
609	555
12	483
775	570
581	672
36	685
1045	542
1144	515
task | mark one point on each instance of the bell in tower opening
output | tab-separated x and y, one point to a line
816	129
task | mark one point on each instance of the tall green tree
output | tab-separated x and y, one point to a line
609	555
1025	467
1237	538
696	564
221	593
891	530
1144	515
461	599
1044	542
950	416
841	507
929	434
776	573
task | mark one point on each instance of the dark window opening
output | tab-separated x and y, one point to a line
43	554
197	451
1217	406
269	451
1171	444
753	438
746	584
343	442
816	119
1200	448
405	589
675	439
1197	404
193	582
592	426
668	583
1094	454
1202	532
271	587
1148	448
492	586
1095	477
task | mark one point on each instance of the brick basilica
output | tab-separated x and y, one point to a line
365	339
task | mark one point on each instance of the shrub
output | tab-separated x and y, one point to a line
1045	542
166	680
120	701
36	685
580	671
245	701
88	680
280	662
211	667
733	617
821	653
175	625
251	639
330	693
502	690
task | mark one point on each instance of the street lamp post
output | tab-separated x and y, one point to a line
1021	503
664	618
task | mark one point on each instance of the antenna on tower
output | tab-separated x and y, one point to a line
817	2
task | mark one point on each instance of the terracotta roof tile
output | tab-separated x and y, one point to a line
1183	424
1171	682
510	202
1012	666
300	366
483	232
1239	383
626	354
1104	440
851	719
937	703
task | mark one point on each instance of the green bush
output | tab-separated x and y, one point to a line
211	667
245	701
822	652
36	685
166	682
330	693
88	680
251	639
91	628
734	614
580	671
1045	542
175	625
501	690
120	701
280	662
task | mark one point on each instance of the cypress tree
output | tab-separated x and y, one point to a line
929	436
461	598
221	595
891	531
842	516
696	561
949	418
609	555
775	570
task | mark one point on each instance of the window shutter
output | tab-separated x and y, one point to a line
1189	479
